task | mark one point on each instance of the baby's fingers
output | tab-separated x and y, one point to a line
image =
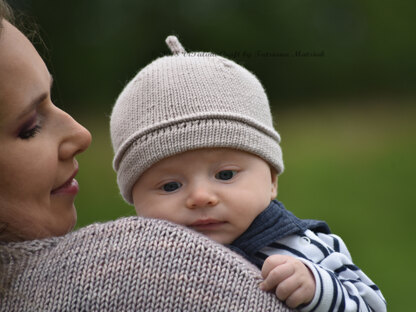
299	296
272	262
276	276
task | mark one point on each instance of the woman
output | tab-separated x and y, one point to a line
131	264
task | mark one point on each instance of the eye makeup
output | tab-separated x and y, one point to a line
30	128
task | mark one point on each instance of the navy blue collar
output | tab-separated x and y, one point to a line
272	224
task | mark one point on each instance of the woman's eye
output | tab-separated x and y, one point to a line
30	133
171	186
225	174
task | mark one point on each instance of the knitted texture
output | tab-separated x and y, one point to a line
189	101
132	264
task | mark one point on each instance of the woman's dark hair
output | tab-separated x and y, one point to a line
26	24
5	12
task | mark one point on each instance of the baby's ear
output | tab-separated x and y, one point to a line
273	173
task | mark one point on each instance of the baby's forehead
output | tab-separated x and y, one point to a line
207	155
215	153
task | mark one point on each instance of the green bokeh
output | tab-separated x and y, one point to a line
367	48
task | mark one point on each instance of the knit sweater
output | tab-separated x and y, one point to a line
132	264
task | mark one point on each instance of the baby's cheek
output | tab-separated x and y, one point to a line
165	214
143	210
244	217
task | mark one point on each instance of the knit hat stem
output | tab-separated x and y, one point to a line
174	45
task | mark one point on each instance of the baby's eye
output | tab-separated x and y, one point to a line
225	174
171	186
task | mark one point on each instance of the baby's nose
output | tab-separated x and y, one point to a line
201	197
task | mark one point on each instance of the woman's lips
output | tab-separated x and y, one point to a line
69	187
206	224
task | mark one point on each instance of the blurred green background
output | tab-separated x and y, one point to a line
341	80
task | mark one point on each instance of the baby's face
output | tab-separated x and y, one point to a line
217	192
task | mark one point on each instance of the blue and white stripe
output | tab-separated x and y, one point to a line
340	285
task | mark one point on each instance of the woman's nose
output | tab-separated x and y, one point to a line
76	138
201	196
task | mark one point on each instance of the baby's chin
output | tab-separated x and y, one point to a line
221	238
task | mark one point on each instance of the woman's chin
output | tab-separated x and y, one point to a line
64	222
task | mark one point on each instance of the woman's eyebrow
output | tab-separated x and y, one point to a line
36	101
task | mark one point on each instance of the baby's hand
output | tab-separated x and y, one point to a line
293	281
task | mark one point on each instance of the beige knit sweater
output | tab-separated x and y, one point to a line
132	264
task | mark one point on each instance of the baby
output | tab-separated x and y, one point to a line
194	144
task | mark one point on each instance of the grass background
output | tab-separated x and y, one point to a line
350	162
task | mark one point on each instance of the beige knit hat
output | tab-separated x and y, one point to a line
188	101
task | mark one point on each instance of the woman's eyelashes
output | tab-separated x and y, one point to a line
30	128
171	186
29	133
225	175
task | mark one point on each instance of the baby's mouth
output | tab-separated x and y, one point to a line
206	224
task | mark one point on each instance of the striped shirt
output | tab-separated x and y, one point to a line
340	285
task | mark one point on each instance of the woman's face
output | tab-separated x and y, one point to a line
38	144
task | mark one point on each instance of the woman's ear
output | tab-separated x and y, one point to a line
273	184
